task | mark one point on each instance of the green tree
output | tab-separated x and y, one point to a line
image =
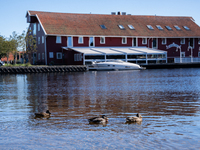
2	51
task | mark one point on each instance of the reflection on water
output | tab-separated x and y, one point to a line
168	99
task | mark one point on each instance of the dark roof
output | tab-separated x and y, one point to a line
89	24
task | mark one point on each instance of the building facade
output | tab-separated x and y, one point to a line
74	39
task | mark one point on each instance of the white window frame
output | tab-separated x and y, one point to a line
58	39
42	39
70	44
38	40
57	55
80	40
124	40
165	41
182	54
156	43
177	27
42	56
50	54
181	40
159	27
38	27
93	41
144	42
102	40
121	26
150	27
193	42
136	42
38	56
131	27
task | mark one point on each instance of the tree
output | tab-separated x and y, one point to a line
2	51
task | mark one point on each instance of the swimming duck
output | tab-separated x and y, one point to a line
138	118
102	119
43	114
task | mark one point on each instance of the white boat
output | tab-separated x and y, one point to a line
114	65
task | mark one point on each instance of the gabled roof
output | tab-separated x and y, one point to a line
89	25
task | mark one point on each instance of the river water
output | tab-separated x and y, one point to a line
168	100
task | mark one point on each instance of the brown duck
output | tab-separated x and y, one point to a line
102	119
138	118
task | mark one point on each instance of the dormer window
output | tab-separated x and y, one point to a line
103	26
131	27
186	28
159	27
150	27
177	27
168	27
121	27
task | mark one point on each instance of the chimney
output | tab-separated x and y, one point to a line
118	13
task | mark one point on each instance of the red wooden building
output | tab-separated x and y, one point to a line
66	38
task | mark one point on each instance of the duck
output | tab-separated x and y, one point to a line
102	119
138	118
43	114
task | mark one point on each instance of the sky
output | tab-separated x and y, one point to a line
13	12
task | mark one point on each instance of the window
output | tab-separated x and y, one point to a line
102	40
38	56
150	27
80	40
77	57
144	40
38	40
50	54
42	39
91	41
103	26
131	27
124	40
182	41
164	41
159	27
69	41
121	27
38	27
134	42
198	54
58	39
182	54
43	56
191	42
198	40
177	27
186	28
168	27
34	29
59	55
155	43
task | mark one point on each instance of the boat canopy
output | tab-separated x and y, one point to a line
128	54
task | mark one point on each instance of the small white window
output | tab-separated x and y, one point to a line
38	40
124	40
159	27
38	56
121	27
102	40
50	54
177	27
38	27
58	39
43	56
182	41
69	41
144	40
150	27
91	41
186	28
164	41
34	29
131	27
42	39
198	40
80	40
59	55
168	27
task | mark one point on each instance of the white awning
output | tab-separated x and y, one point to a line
117	50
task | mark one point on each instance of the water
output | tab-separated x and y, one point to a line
168	99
